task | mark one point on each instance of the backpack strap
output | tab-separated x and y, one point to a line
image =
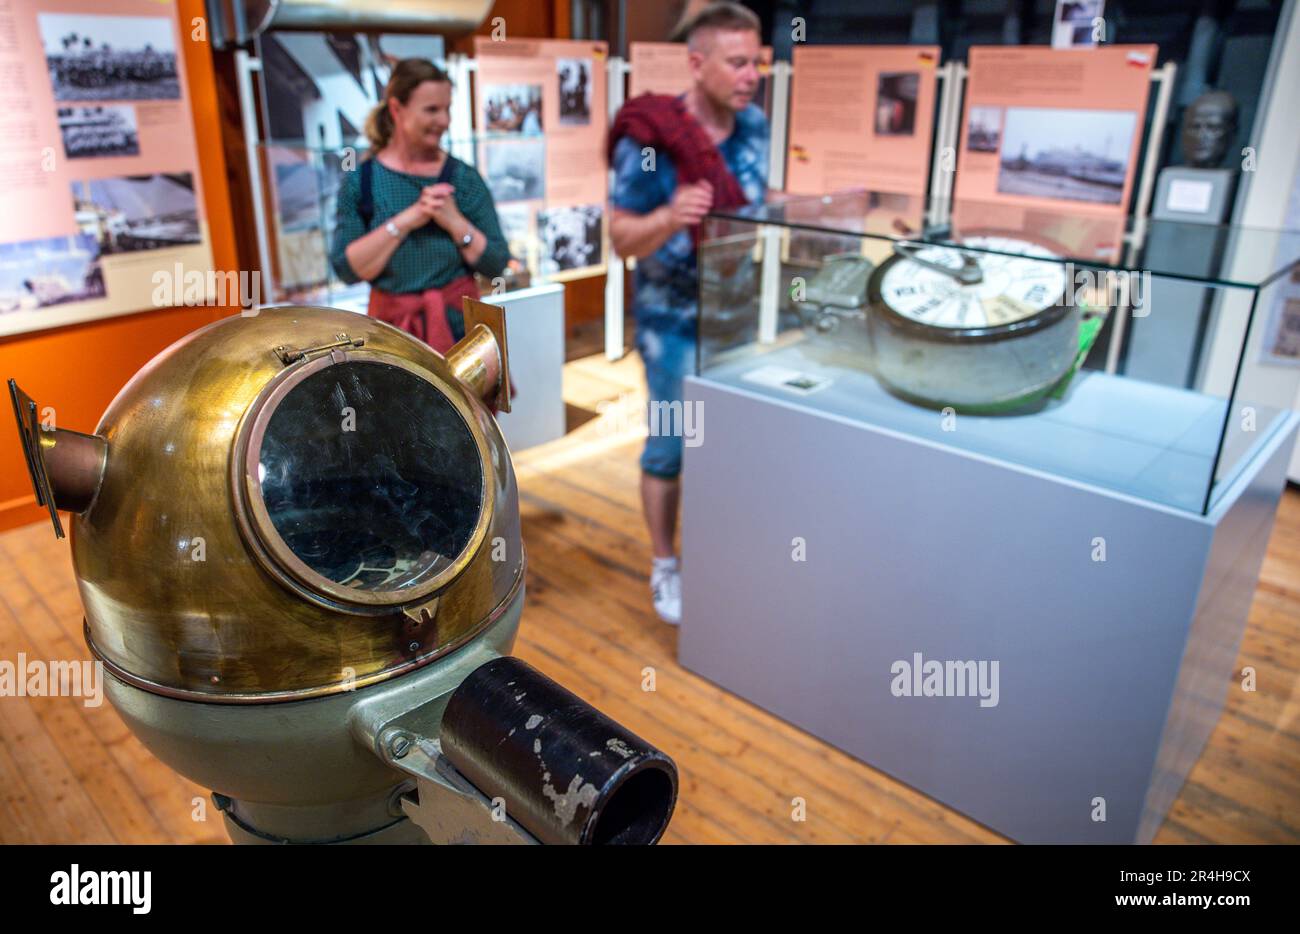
366	202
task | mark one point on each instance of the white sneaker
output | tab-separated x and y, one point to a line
666	587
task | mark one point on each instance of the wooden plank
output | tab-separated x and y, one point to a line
144	800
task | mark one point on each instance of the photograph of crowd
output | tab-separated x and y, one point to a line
513	108
99	130
100	58
1076	155
570	237
39	273
896	103
138	212
516	171
985	131
574	76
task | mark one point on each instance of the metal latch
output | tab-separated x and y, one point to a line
290	355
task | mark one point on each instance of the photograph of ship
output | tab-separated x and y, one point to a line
516	171
138	212
896	103
985	131
574	76
570	237
1075	155
102	58
99	130
513	108
39	273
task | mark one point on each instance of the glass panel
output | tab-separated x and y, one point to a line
1264	328
1095	239
370	476
1018	343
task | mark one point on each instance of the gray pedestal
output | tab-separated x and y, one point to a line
1111	673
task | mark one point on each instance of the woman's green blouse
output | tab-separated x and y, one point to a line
427	258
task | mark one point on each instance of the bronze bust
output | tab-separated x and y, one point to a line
1209	127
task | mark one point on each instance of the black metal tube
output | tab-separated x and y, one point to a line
567	772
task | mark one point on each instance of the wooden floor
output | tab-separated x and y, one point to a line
74	774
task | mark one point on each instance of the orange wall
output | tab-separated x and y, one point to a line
79	369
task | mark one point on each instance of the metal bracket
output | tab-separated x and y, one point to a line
445	805
29	430
290	355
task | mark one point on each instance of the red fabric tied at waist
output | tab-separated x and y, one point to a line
423	314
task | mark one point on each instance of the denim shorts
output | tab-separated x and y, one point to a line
668	356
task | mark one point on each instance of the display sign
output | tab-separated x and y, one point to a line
555	185
662	68
101	210
1050	141
861	117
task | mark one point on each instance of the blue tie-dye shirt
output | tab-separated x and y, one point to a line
665	293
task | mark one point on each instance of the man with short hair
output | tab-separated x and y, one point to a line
675	159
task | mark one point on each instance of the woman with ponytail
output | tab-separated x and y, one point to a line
414	221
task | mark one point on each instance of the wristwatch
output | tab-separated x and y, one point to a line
467	239
393	230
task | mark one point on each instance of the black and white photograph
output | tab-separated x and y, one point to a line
570	237
138	212
896	103
516	171
513	108
106	58
99	130
574	76
318	88
516	227
54	271
985	131
1076	23
1074	155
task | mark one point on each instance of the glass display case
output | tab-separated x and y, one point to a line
1143	357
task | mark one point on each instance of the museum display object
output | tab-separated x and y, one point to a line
296	537
961	542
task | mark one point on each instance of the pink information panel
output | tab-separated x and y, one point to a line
1050	141
101	210
861	117
541	112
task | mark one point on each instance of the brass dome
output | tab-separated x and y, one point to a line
231	492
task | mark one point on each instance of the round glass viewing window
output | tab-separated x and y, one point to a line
370	476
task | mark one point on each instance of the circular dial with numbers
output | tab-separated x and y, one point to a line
980	331
980	295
